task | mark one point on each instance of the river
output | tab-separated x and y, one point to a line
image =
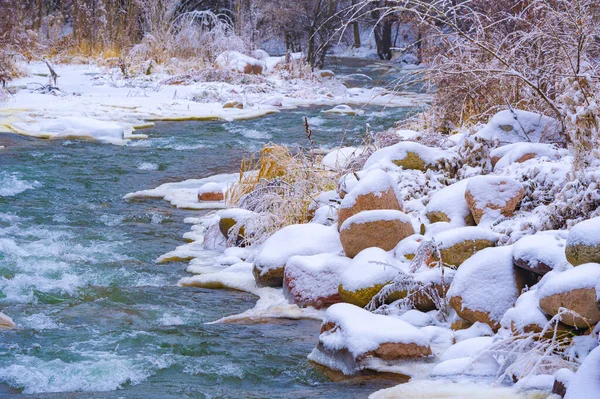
97	316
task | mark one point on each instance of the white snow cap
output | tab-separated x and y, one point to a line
236	61
547	247
486	282
376	181
362	331
585	233
451	201
511	126
448	238
211	187
297	239
586	381
339	158
583	276
375	216
511	153
386	155
370	267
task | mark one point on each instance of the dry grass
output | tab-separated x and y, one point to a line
280	186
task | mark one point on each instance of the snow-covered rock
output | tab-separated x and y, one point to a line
449	205
583	242
338	159
236	216
367	274
507	155
485	286
298	239
491	197
378	228
542	252
586	381
314	280
351	336
409	155
344	109
574	292
239	62
512	126
458	245
211	192
375	190
526	316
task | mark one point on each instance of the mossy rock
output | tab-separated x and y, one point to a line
455	255
412	160
269	277
363	296
581	254
439	216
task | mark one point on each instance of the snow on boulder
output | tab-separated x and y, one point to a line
241	219
366	275
236	61
561	381
467	348
485	286
505	156
573	294
325	73
344	110
542	252
314	280
378	228
338	159
457	245
351	337
409	155
260	54
512	126
233	104
491	197
211	192
297	239
583	242
526	316
586	381
375	190
449	205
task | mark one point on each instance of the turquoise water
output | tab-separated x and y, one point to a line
97	316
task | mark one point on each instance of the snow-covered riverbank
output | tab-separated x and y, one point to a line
98	103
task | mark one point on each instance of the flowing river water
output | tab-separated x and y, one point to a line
97	316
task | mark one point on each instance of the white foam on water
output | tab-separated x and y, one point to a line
169	319
100	372
38	321
212	365
112	220
147	166
255	134
11	184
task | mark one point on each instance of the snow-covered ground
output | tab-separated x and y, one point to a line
98	103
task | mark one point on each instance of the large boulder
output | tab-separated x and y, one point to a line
379	228
507	155
485	286
573	294
376	190
493	197
449	205
583	242
366	275
297	239
410	155
513	126
542	252
351	337
457	245
314	280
